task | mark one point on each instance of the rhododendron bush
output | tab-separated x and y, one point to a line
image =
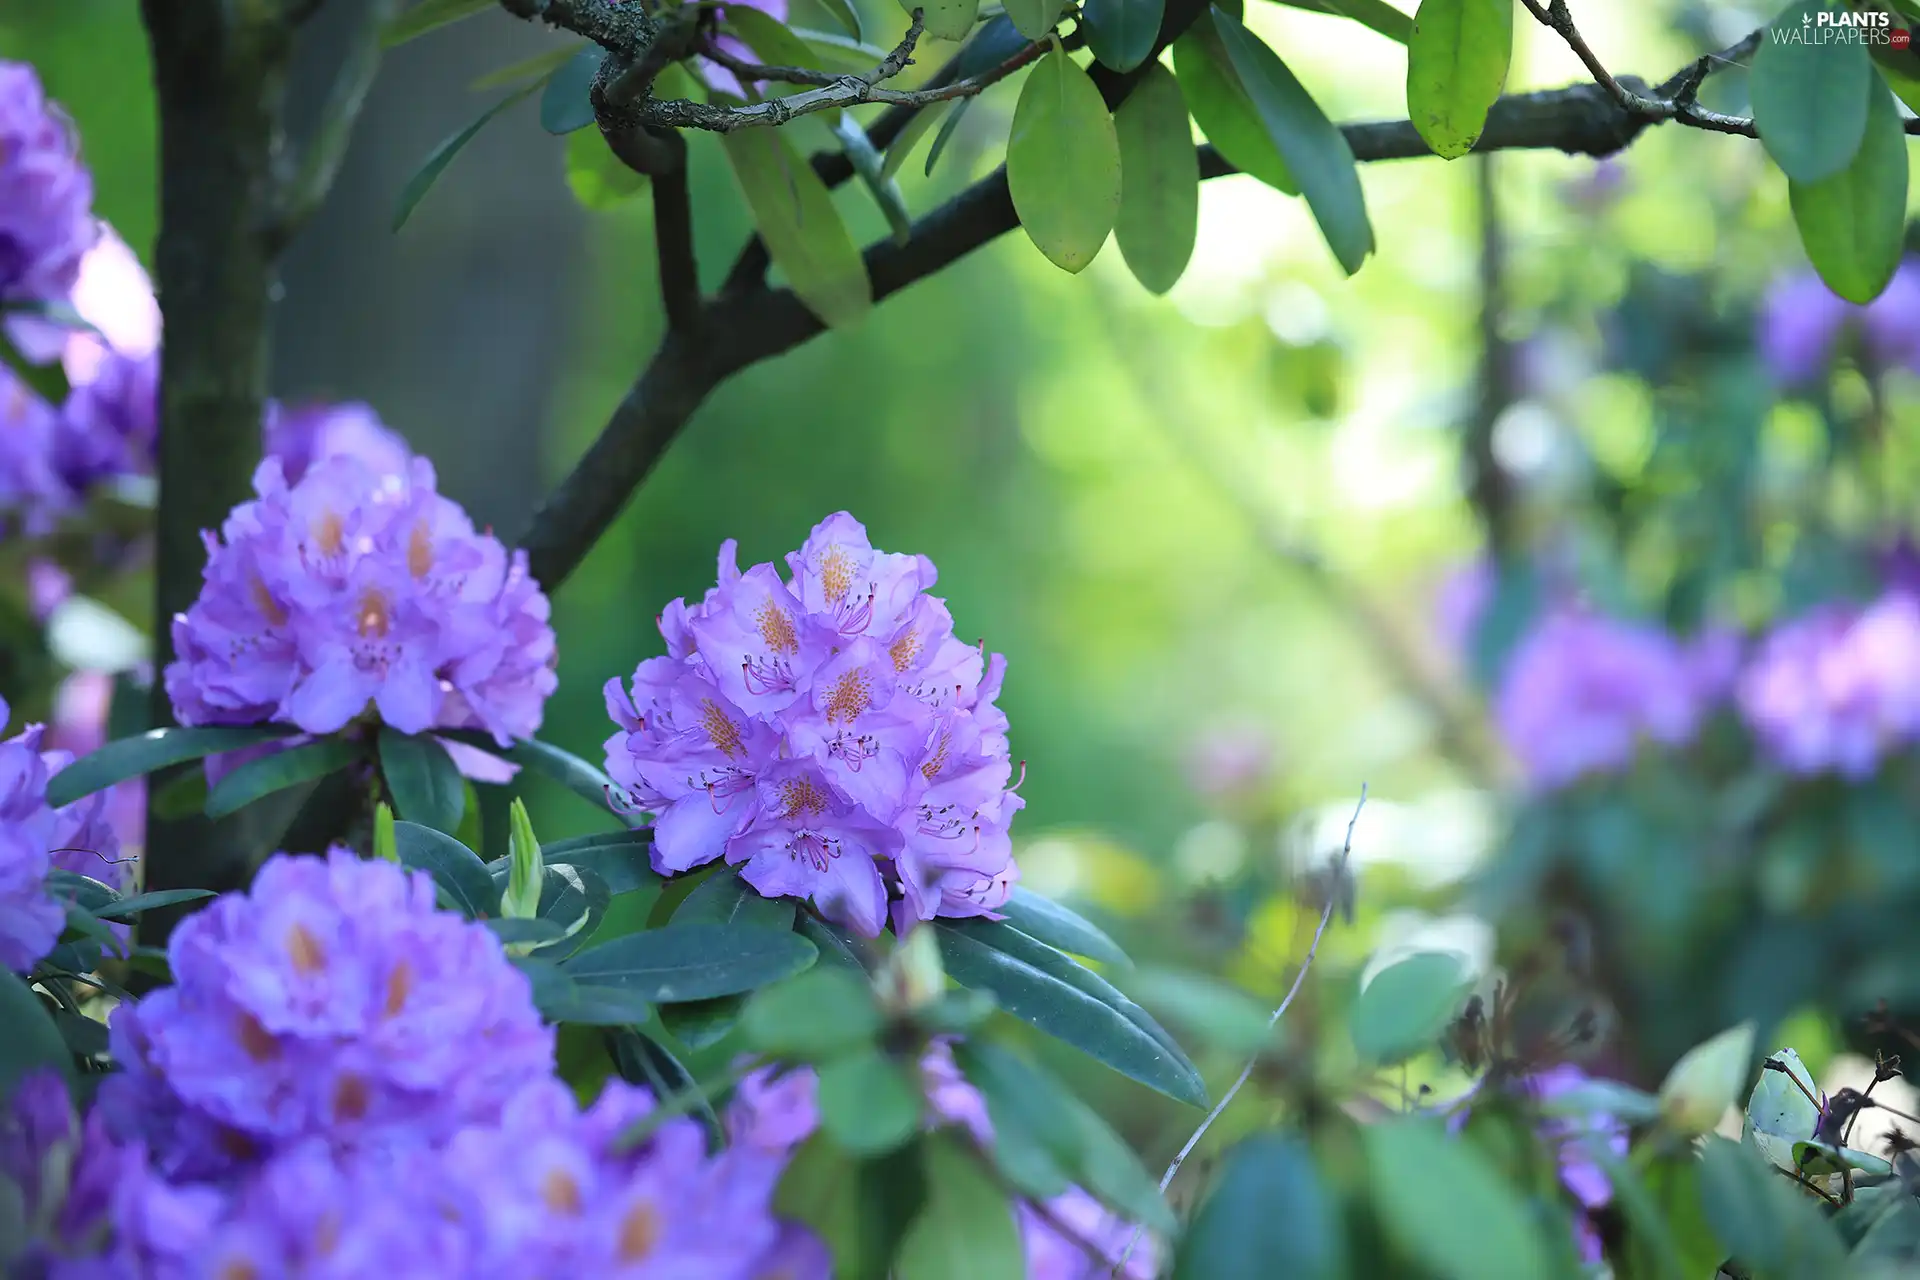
294	982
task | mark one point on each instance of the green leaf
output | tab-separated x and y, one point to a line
1809	99
525	930
1223	110
575	899
1456	67
946	19
837	947
773	43
1033	19
32	1041
384	847
127	908
1854	223
823	1012
858	1208
868	1103
151	752
561	999
1602	1098
1443	1205
621	858
727	898
1159	181
1122	33
1269	1214
259	778
441	156
1044	920
424	781
427	16
565	104
805	236
1063	163
691	961
1315	151
556	764
1407	1006
1769	1226
1041	986
846	15
700	1024
921	122
538	67
834	52
456	870
947	129
868	164
597	177
183	796
1220	1015
1901	73
526	865
1377	15
1023	1099
967	1230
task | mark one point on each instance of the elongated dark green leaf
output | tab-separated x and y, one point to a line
844	54
183	796
1159	182
510	930
967	1230
429	15
868	1104
805	236
641	1059
908	138
1269	1214
1049	994
538	67
150	752
1377	15
871	168
701	1024
1222	109
837	947
456	869
1854	223
1033	18
561	999
441	156
1063	163
621	858
564	104
1407	1006
1022	1097
947	130
262	777
1121	32
946	19
1043	919
424	781
573	898
692	961
82	891
555	763
1444	1205
726	898
1316	152
32	1042
1456	68
1809	96
127	908
846	15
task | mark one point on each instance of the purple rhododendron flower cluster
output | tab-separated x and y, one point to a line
1573	1138
360	584
1582	692
1803	321
46	194
828	734
775	1111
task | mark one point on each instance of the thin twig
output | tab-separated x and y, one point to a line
303	194
1246	1072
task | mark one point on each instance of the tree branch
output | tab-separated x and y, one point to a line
304	193
623	29
673	237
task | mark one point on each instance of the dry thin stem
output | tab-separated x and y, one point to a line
1246	1072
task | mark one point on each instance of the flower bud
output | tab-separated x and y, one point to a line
385	844
1706	1081
528	870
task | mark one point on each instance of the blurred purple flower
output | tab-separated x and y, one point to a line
31	495
46	194
1582	692
1834	690
1802	321
830	733
68	1174
1462	601
80	709
30	918
109	424
1574	1139
1230	760
717	76
301	435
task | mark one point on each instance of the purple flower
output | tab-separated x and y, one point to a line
1582	692
1802	323
109	424
1462	601
829	733
1573	1139
331	1000
1834	690
68	1173
30	489
356	587
80	709
46	194
299	436
30	918
717	76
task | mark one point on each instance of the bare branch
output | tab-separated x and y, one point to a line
673	238
622	29
302	195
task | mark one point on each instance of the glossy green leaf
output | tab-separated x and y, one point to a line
561	999
1044	920
1810	97
692	961
869	1103
727	898
1122	33
846	15
1221	107
1444	1205
429	15
908	138
575	899
565	102
774	44
598	178
1854	223
182	796
1066	1000
1405	1009
948	128
424	781
1377	15
967	1229
1769	1226
1269	1214
128	908
1456	67
803	231
1901	72
1033	18
1781	1110
456	870
32	1041
701	1024
441	156
838	947
945	19
149	753
1316	152
835	52
525	931
1159	181
823	1012
621	858
259	778
1063	163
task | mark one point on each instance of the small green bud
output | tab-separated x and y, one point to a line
528	871
384	844
913	976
